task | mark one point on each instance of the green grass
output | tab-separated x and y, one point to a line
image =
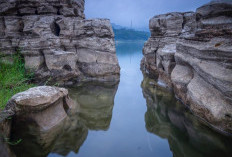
13	79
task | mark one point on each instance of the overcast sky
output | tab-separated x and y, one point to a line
139	11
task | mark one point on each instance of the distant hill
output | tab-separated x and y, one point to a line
124	33
115	26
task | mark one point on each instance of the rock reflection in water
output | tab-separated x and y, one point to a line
96	104
186	135
92	109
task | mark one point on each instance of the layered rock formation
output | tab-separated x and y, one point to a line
186	135
192	52
160	49
57	42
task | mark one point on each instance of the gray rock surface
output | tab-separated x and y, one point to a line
169	119
39	102
160	49
197	61
57	42
91	109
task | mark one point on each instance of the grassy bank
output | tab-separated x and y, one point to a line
13	79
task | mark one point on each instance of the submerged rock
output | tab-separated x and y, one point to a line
192	53
57	42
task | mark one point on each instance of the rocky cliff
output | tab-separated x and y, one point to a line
57	42
192	53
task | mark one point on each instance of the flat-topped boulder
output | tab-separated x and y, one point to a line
61	126
46	106
38	98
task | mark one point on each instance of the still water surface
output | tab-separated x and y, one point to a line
135	118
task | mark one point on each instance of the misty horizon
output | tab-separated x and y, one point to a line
123	12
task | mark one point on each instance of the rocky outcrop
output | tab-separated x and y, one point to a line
55	123
57	42
160	49
39	102
192	53
169	119
43	108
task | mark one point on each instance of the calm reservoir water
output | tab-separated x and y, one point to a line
135	118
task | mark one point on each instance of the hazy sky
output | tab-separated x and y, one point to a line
139	11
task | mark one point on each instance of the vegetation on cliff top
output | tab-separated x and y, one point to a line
13	78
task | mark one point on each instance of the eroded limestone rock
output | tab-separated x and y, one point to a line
198	64
57	42
91	109
186	135
40	102
160	49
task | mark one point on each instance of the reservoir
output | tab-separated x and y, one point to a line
133	118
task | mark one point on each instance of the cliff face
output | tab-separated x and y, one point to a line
192	53
56	40
160	49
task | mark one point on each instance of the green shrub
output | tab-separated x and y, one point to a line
13	78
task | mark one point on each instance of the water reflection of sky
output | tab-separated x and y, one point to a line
143	119
127	135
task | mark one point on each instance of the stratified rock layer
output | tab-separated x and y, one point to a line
160	49
192	53
57	42
187	136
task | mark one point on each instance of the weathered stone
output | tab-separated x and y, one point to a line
214	19
44	29
166	24
91	110
39	102
201	60
160	49
169	119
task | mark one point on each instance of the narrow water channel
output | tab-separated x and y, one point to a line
135	118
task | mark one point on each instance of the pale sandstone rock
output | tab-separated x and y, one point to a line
169	119
40	102
91	110
43	29
202	76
